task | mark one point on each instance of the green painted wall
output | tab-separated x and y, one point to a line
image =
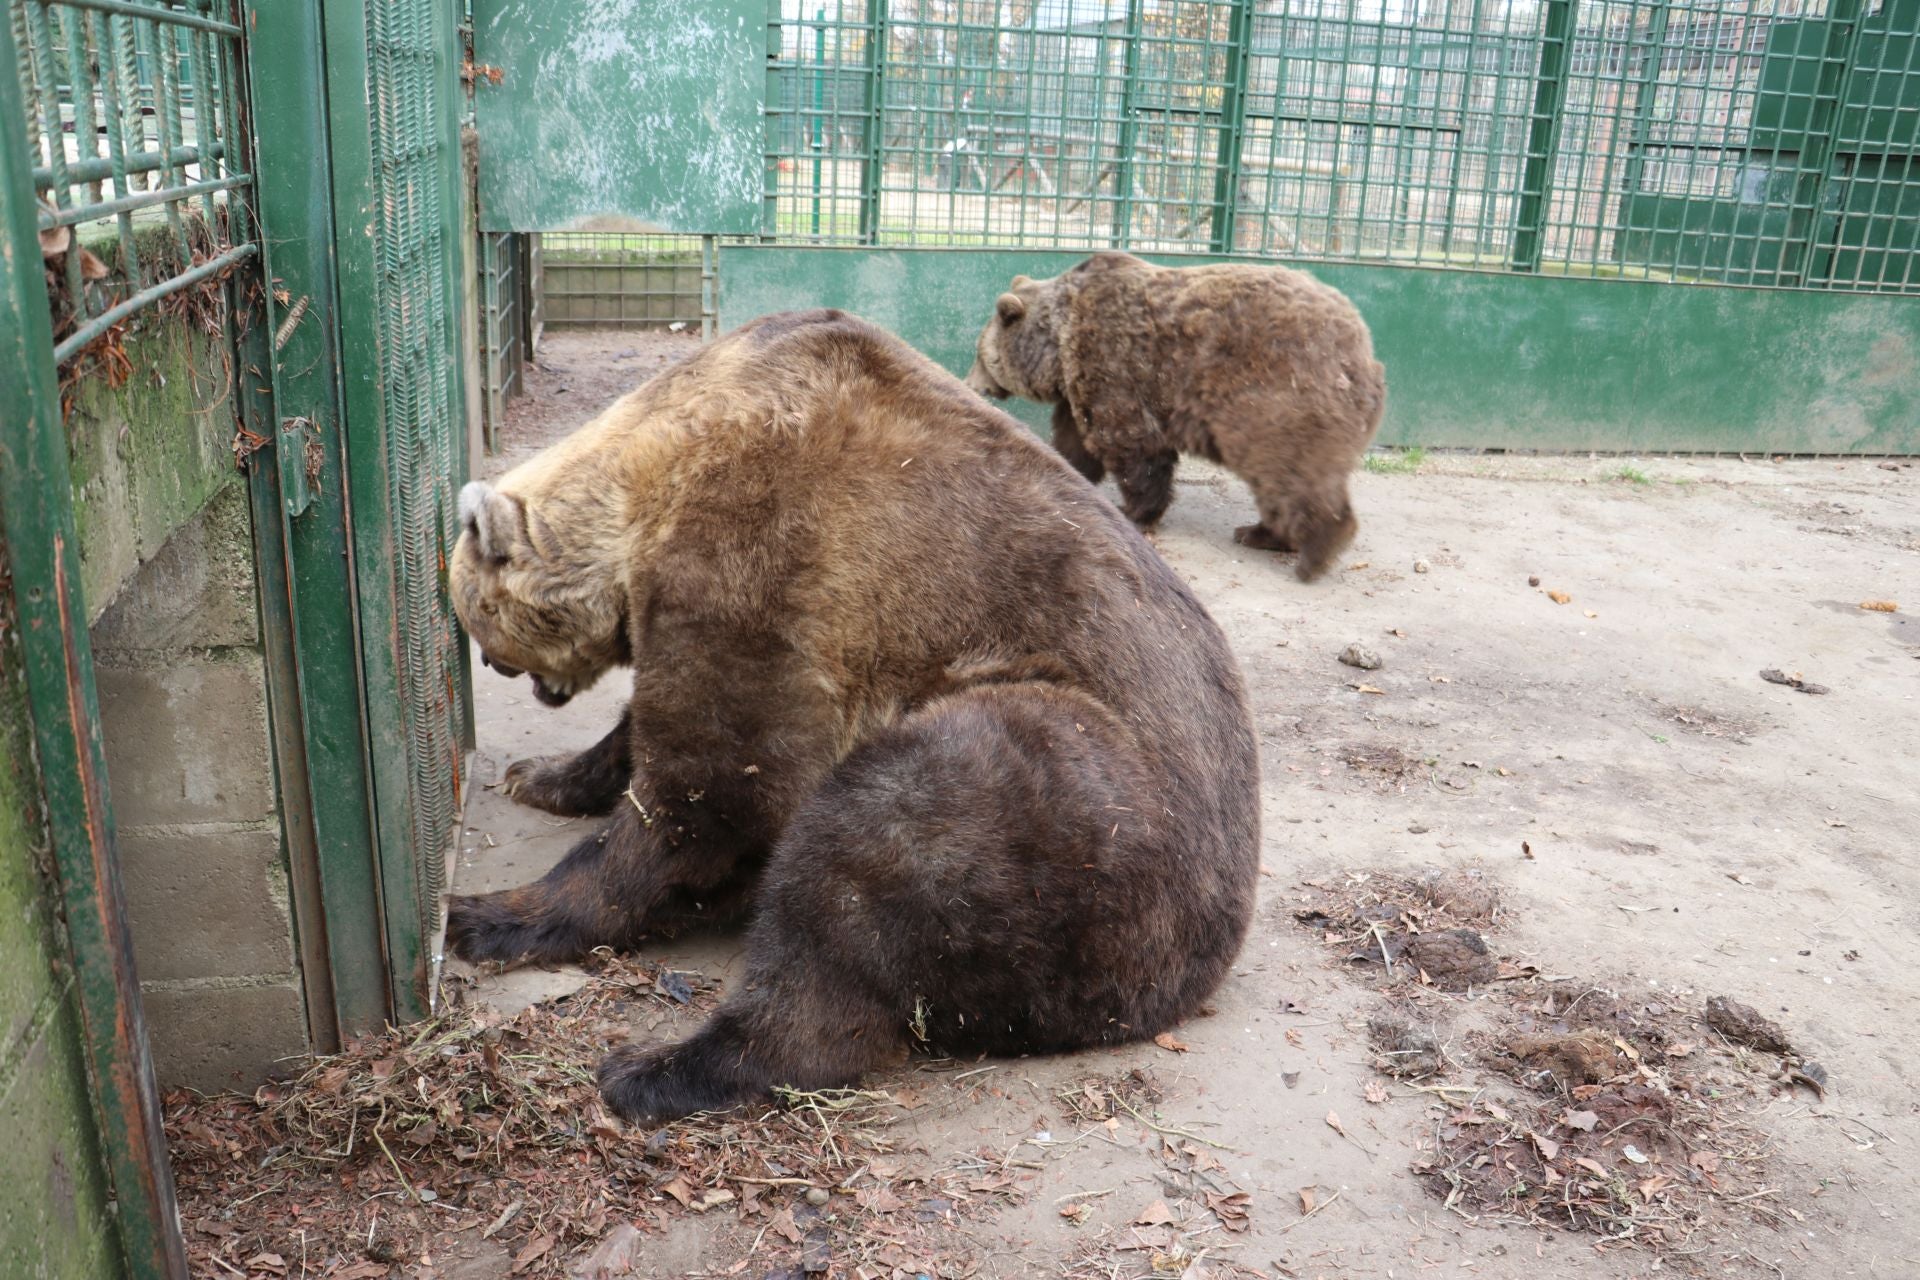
1480	360
54	1220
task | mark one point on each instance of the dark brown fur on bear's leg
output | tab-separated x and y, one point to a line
1146	486
1068	444
579	786
660	871
963	873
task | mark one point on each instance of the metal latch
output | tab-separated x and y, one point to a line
298	454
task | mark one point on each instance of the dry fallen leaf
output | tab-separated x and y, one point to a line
680	1191
1075	1213
535	1248
1559	597
1591	1166
1377	1092
1333	1123
1231	1209
1547	1146
1526	851
1582	1120
1166	1041
1155	1215
1308	1198
1365	688
1705	1161
1295	1039
1880	606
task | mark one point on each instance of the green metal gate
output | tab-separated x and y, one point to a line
316	222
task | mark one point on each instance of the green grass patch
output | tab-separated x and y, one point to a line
1632	475
1394	462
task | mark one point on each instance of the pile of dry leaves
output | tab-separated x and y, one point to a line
1596	1112
384	1160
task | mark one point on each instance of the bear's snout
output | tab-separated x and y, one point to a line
981	381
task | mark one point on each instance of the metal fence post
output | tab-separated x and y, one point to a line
875	169
1837	56
1543	137
1233	121
1643	100
1122	234
43	554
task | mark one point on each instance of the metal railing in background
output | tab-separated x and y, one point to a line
132	118
1763	142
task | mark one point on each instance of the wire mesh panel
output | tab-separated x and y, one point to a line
405	408
133	120
1743	141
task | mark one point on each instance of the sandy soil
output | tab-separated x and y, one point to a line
1692	831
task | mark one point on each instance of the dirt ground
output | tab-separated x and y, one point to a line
1689	830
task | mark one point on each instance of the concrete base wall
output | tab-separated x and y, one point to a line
183	707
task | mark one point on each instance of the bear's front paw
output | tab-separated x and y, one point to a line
1258	537
486	928
652	1086
521	782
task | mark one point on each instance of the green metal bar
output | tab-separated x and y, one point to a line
1842	50
144	200
334	875
1233	122
113	315
1122	234
874	173
115	93
1543	138
151	13
137	162
709	286
819	89
43	556
1644	97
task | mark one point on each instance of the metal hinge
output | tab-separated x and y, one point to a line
474	72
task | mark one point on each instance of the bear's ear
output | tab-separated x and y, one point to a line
492	517
1021	282
1010	308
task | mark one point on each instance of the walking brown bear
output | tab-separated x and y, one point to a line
906	690
1263	369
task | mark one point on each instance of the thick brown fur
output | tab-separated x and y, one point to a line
1263	369
906	690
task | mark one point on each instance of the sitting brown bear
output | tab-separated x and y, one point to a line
905	689
1261	368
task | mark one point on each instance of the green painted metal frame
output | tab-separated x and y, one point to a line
348	33
876	159
44	558
1480	359
319	703
1543	135
1843	32
1233	125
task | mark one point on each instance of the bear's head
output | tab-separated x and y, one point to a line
532	602
1019	351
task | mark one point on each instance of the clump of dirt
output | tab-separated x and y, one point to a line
1453	959
1416	927
1743	1024
1709	724
1403	1050
1100	1098
475	1122
1389	765
1563	1061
